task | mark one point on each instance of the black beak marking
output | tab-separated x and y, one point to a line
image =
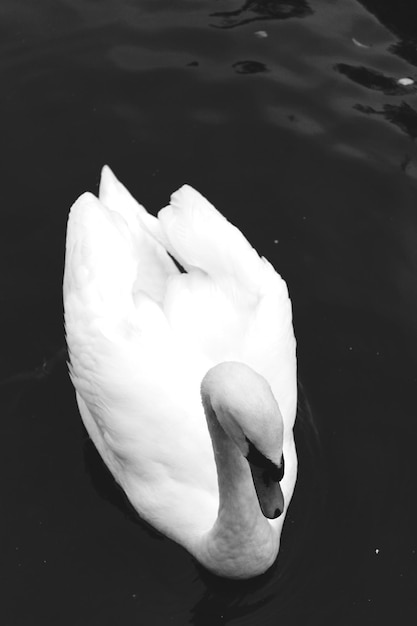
266	477
271	472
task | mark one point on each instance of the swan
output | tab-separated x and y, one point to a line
185	380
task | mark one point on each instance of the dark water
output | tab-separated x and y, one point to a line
305	139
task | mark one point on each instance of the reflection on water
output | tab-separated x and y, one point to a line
374	80
253	10
304	138
402	115
400	19
249	67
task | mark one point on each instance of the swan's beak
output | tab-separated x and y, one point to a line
266	478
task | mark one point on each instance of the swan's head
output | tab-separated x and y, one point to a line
248	412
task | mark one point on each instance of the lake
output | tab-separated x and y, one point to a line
298	120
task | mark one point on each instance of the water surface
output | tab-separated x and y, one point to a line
290	117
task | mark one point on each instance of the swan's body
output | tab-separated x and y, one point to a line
168	366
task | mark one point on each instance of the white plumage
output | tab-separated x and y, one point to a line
142	336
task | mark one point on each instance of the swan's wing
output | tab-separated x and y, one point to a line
232	304
137	386
154	265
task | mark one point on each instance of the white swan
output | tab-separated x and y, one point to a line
177	373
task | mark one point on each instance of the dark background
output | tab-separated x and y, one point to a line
306	141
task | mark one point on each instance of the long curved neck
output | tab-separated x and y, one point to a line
242	543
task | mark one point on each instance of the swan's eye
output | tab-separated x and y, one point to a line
271	471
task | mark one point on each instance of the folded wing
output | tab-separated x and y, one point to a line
232	304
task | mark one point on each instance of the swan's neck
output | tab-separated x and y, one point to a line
242	543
